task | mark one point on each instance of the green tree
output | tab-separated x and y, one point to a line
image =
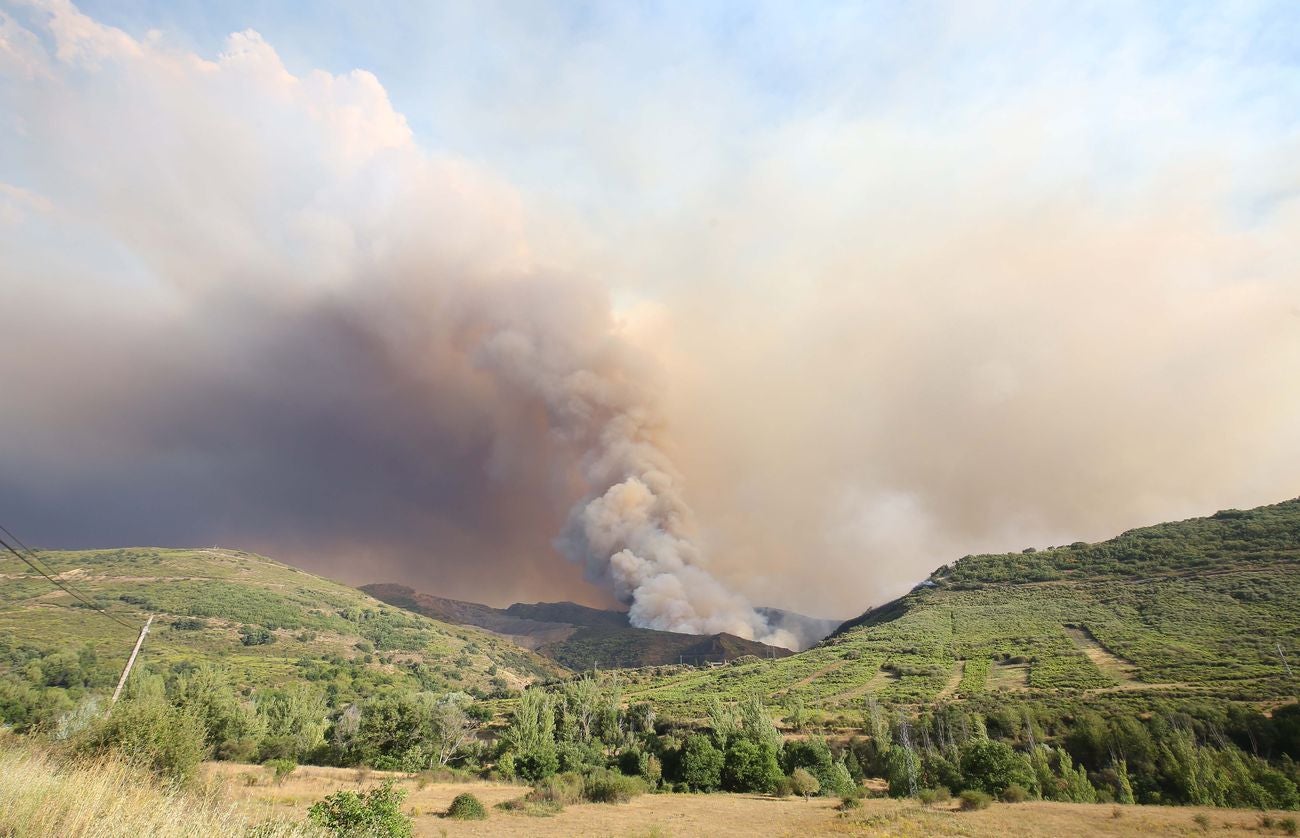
991	766
750	766
531	736
814	755
295	719
701	763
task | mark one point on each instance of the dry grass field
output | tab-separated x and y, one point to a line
727	815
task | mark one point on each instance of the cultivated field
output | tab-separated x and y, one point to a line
726	815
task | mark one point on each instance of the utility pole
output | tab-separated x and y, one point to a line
131	662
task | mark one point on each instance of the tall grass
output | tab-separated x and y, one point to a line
42	794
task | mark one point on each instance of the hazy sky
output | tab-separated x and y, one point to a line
424	292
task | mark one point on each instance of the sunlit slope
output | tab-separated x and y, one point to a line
269	623
1193	610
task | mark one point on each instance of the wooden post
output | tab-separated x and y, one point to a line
131	662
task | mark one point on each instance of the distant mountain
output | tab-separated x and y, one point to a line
530	629
807	630
580	637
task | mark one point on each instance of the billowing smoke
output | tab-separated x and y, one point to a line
632	530
877	291
329	293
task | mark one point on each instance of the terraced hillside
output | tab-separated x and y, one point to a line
1199	610
268	624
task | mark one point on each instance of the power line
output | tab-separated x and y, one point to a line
56	582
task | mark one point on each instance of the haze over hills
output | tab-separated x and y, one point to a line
1202	610
581	637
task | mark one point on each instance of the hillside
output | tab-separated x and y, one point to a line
577	636
267	623
1192	611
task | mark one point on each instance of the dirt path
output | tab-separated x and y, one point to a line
1111	664
877	682
953	683
1008	676
808	679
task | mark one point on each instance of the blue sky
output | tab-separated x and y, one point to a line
538	89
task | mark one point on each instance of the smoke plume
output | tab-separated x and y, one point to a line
328	288
828	300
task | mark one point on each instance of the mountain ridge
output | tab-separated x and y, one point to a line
579	636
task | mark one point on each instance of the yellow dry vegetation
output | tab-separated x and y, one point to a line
44	795
732	815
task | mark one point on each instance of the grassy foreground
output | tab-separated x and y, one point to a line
736	815
42	795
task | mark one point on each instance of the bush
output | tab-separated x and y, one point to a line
168	741
784	788
803	783
255	636
974	799
377	813
606	786
558	790
280	768
1014	793
935	795
466	807
1288	826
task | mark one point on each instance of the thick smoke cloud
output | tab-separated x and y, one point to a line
871	295
345	330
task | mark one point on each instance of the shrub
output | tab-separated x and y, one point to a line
653	771
814	755
935	795
466	807
280	768
1014	793
146	728
558	790
803	783
255	636
1288	826
784	788
607	786
1203	821
506	766
376	813
848	803
974	799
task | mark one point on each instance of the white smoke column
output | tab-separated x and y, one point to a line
633	529
233	180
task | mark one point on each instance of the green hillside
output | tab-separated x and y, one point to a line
1186	612
264	622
